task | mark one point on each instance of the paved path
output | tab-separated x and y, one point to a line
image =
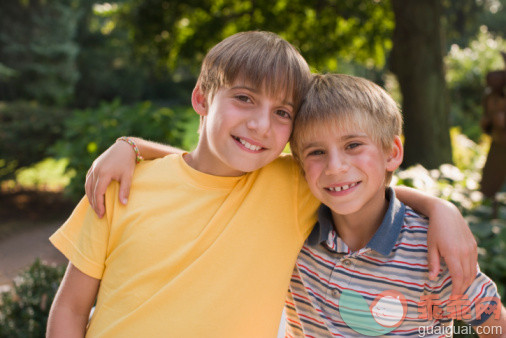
19	250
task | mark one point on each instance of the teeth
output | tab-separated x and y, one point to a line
249	145
343	187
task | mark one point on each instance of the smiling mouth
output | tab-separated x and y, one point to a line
248	145
343	187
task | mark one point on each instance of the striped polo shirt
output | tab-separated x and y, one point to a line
327	272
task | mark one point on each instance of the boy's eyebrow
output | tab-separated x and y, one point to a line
254	90
311	145
251	89
347	137
343	138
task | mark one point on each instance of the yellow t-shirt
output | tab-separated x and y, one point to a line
192	255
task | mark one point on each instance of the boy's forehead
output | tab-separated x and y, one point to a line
333	130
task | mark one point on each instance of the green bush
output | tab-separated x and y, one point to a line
27	130
24	310
87	133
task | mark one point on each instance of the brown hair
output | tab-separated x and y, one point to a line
342	101
261	59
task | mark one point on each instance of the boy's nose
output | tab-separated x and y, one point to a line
260	122
336	164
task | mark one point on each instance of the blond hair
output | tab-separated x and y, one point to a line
260	59
342	101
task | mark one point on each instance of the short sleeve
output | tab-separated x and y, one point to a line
83	238
477	303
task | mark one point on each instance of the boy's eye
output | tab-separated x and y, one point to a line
353	145
243	98
316	153
284	114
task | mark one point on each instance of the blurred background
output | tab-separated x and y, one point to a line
77	74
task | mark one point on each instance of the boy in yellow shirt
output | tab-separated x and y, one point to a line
207	243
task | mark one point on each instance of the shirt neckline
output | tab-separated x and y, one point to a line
203	180
384	238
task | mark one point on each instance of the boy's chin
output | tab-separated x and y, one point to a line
344	209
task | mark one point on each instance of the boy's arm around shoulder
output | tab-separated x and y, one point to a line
71	307
117	163
449	237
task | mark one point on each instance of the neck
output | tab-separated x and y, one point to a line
202	159
357	229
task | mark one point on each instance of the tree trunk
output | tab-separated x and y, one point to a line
417	61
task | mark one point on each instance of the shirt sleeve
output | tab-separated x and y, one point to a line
83	238
306	203
475	306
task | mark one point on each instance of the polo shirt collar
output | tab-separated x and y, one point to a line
385	237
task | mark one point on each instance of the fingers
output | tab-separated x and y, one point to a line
471	266
457	275
462	265
99	195
434	263
464	271
88	184
124	188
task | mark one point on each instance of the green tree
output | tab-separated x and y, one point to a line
37	42
107	66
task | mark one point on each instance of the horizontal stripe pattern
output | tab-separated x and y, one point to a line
324	270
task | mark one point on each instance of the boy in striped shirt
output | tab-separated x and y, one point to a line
363	270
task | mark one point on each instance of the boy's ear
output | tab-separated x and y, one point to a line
199	101
396	155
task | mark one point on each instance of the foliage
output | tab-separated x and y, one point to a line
6	72
179	33
89	132
27	129
106	64
24	310
462	19
458	183
467	69
491	237
46	175
494	17
36	41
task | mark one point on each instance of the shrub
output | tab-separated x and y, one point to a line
27	130
24	310
89	132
